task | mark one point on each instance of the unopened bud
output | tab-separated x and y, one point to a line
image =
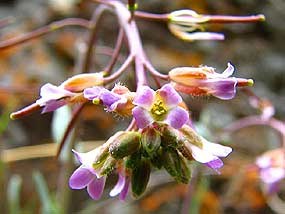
140	178
150	141
126	144
79	82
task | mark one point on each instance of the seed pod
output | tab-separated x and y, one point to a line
150	141
140	178
184	174
108	166
170	161
175	165
156	159
126	144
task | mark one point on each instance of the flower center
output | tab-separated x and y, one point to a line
158	109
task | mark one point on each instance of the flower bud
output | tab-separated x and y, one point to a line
125	145
140	178
150	140
79	82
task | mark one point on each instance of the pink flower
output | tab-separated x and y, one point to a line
159	106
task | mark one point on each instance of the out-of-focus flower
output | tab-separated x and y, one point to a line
204	80
160	106
265	107
118	100
184	23
272	168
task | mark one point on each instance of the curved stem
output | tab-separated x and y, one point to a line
116	52
120	71
154	72
70	126
44	30
257	120
92	37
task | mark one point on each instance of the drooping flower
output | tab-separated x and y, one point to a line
184	23
201	149
122	187
271	168
204	80
87	176
93	164
160	106
118	100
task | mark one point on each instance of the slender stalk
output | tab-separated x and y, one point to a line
44	30
152	16
154	72
234	19
92	37
120	71
69	128
116	52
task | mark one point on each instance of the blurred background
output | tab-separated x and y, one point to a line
34	181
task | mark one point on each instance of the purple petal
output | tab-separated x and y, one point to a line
177	117
215	164
125	190
52	105
224	89
109	98
87	159
145	97
170	96
119	186
229	71
142	117
80	178
92	93
95	188
51	92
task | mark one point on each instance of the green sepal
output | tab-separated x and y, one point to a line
140	177
125	145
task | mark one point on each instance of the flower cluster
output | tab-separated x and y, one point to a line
164	139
